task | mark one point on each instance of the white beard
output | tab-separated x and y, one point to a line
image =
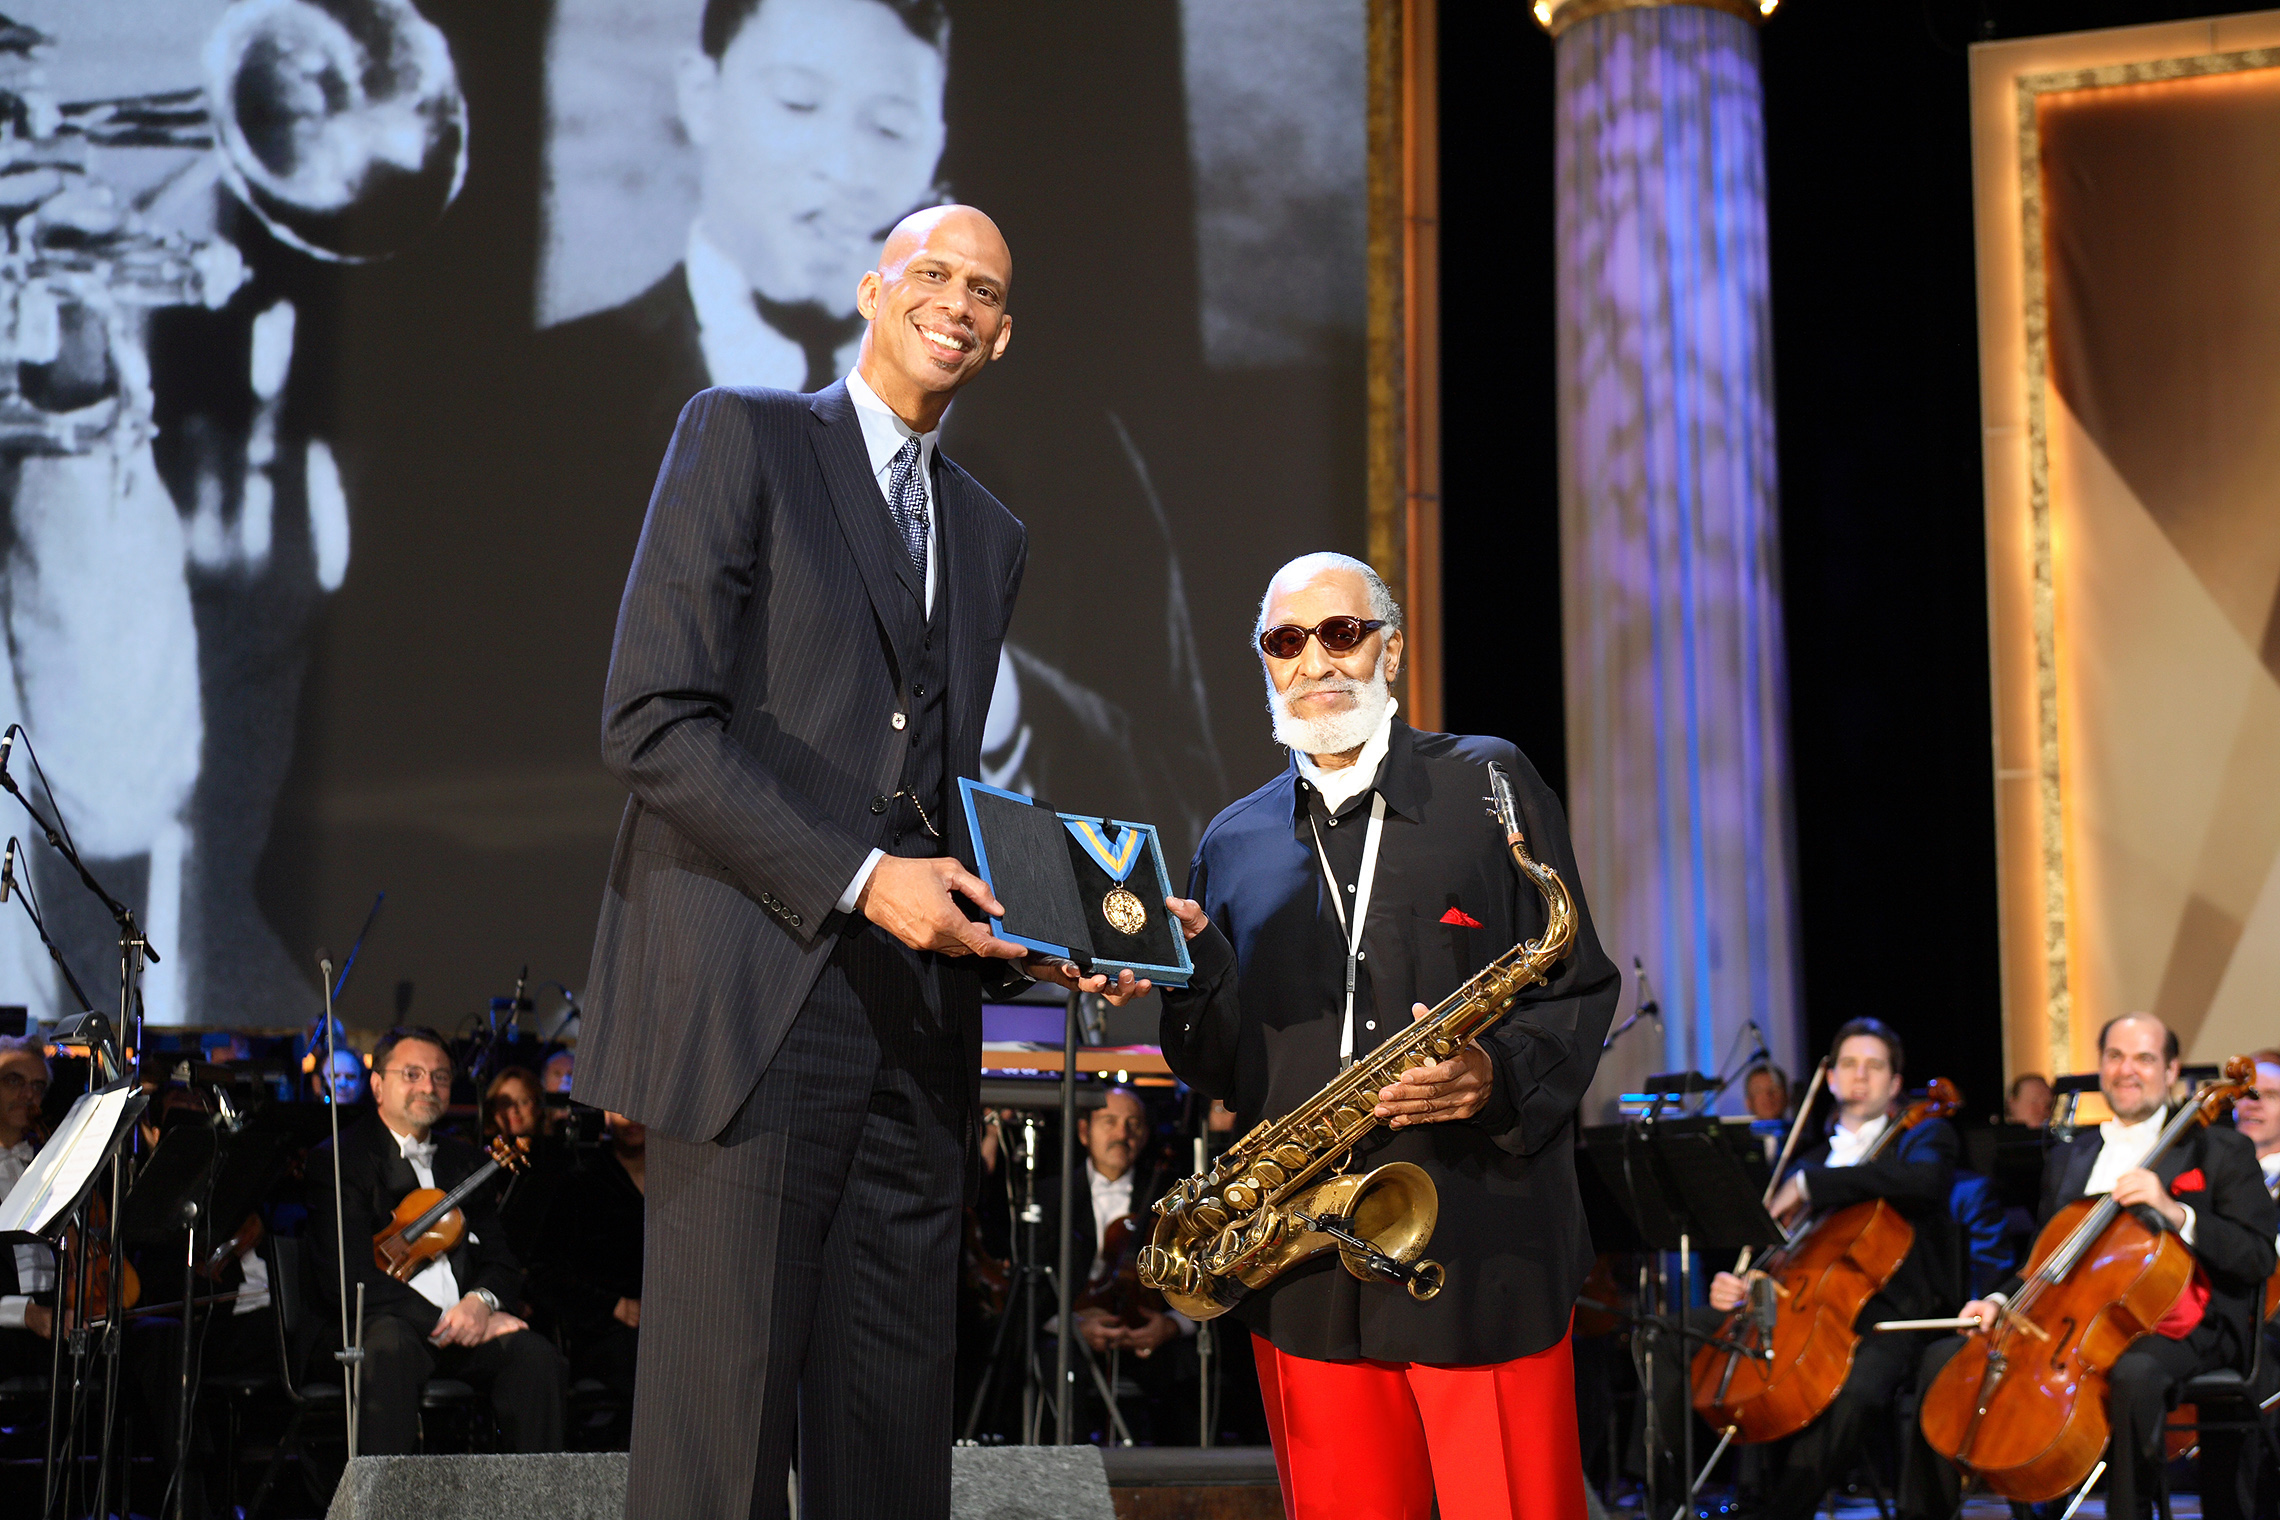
1339	732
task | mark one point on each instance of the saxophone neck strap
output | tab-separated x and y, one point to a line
1351	926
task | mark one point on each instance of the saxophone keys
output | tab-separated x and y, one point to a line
1292	1157
1242	1196
1269	1174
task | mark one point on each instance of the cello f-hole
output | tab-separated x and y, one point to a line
2060	1341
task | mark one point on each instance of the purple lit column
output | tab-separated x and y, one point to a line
1678	752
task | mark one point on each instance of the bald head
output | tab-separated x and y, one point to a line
936	306
964	225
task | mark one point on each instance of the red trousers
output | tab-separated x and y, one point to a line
1380	1440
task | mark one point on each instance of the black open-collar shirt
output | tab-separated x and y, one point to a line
1259	1026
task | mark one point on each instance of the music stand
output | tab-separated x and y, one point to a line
1678	1186
53	1193
64	1172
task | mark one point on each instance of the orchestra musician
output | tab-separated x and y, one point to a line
1119	1178
1379	1403
514	1105
450	1319
586	1274
2258	1117
27	1272
1867	1074
1765	1091
2029	1100
2209	1191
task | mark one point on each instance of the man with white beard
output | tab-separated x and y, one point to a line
1380	1404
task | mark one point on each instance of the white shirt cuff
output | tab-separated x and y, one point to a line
2191	1226
12	1307
1804	1186
1186	1326
846	903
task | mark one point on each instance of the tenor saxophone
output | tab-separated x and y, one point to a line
1276	1197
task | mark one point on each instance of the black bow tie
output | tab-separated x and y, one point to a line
819	334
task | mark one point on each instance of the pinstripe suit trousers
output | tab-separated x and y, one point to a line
799	1272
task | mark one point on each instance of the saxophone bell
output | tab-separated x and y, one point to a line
1274	1202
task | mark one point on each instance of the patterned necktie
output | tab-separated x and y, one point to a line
906	498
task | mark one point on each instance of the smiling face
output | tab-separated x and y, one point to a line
2134	1070
819	126
411	1104
937	309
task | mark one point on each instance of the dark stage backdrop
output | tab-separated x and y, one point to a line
339	608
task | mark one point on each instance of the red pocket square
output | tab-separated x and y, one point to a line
2190	1182
1460	916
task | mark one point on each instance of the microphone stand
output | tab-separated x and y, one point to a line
135	951
351	1352
134	946
1645	1008
55	1483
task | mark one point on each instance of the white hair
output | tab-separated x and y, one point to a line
1307	566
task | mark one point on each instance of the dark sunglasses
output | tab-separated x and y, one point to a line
1338	634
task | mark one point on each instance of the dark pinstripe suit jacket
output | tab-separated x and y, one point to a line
760	664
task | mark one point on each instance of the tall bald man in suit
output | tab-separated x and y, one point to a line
787	977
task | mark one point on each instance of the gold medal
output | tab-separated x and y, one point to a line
1123	911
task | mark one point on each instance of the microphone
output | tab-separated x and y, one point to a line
1647	1004
7	743
7	865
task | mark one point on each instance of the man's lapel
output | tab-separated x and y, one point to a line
2081	1157
2179	1159
897	595
957	558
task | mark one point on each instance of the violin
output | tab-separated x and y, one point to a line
1787	1351
1114	1283
247	1237
428	1223
98	1271
1600	1305
2022	1407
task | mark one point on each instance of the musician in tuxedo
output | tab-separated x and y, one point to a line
2208	1190
450	1319
27	1272
1379	1403
1856	1162
585	1274
787	986
2258	1118
1119	1175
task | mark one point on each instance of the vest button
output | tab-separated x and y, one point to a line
878	804
918	691
899	720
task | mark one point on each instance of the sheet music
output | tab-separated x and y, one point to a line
67	1163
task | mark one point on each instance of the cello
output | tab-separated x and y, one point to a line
2021	1407
1785	1355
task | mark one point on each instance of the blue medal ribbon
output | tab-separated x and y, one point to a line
1116	859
